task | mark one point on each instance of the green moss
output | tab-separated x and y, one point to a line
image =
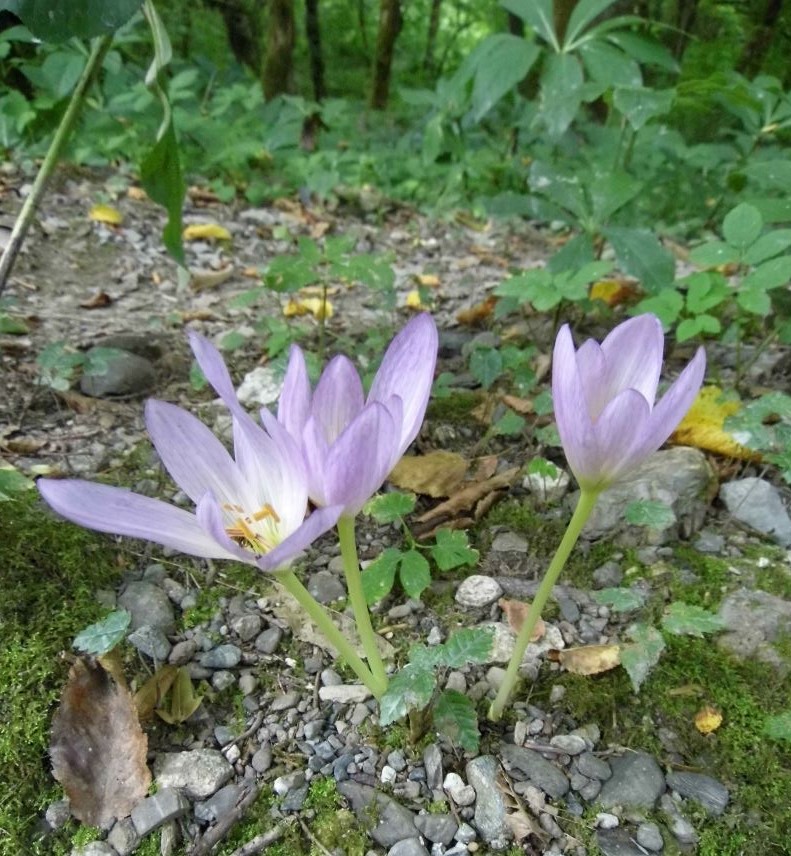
456	407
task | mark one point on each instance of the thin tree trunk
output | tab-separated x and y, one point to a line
361	23
757	47
313	35
390	23
280	36
243	21
686	15
433	28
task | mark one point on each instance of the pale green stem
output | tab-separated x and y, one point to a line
99	48
322	620
354	585
582	512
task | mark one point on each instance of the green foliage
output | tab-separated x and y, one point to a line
684	619
657	515
452	550
65	19
779	727
12	482
765	426
620	599
389	507
455	717
102	637
639	657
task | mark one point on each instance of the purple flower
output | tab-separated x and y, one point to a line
351	443
249	507
604	397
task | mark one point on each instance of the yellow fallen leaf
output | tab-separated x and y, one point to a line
136	193
413	301
435	474
321	309
206	232
106	214
590	659
429	280
702	427
708	719
613	292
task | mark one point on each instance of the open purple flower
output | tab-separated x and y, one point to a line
351	443
250	507
604	397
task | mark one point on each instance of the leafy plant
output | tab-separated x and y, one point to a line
764	425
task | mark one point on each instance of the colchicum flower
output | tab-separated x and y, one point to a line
604	397
250	507
351	443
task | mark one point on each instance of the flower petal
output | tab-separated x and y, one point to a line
338	397
121	512
315	450
288	491
216	372
620	432
196	460
360	459
319	522
293	408
633	357
407	370
211	518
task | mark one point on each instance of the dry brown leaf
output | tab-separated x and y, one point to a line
106	214
485	468
196	315
590	659
23	445
98	749
202	196
434	474
206	232
319	229
475	315
136	193
516	612
702	427
98	300
523	406
154	690
708	719
484	412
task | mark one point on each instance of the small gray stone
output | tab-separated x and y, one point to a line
284	702
710	542
117	372
123	837
326	587
260	387
547	488
636	782
542	773
394	822
432	761
283	784
268	640
198	773
248	683
148	604
397	760
345	693
592	767
756	502
94	848
295	798
682	830
617	842
221	657
166	804
608	575
707	791
182	652
330	678
247	627
571	744
222	680
57	814
262	759
754	619
218	804
490	812
509	542
604	820
437	828
649	836
478	591
152	642
461	793
408	847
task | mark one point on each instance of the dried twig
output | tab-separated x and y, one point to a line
212	837
264	840
254	726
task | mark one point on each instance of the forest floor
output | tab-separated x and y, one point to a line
291	752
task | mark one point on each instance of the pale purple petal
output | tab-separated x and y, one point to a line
592	368
359	461
620	432
315	450
407	370
216	373
213	520
338	397
293	407
319	522
121	512
289	492
633	357
196	460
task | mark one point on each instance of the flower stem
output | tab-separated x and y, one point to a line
354	584
583	510
321	619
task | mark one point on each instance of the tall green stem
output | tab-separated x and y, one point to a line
321	619
99	48
354	585
582	512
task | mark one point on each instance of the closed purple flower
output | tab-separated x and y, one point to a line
250	507
604	397
350	442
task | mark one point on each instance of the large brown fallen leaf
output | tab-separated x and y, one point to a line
702	427
515	612
435	474
98	749
590	659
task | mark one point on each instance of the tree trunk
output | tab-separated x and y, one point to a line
757	47
280	37
431	40
390	23
244	24
313	35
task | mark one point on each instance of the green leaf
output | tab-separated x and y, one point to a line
768	246
643	654
685	619
60	20
646	51
160	175
542	467
641	255
414	573
620	599
572	255
410	689
742	226
501	61
543	403
184	701
388	507
536	14
471	645
561	92
755	301
103	636
233	341
455	718
12	482
452	550
608	65
510	424
486	365
519	286
611	191
691	327
771	175
583	14
771	274
657	515
779	727
714	254
705	291
379	576
640	104
12	326
666	305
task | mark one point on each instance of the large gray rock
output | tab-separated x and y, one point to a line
394	823
707	791
636	782
756	503
617	842
490	814
680	478
753	620
154	811
116	372
198	773
148	604
542	773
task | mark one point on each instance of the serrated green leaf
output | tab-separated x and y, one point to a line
657	515
619	599
426	657
103	636
388	507
510	424
414	573
410	689
742	226
452	550
643	654
471	645
456	719
779	727
486	365
379	576
685	619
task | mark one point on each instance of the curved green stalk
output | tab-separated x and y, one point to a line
354	585
321	619
582	512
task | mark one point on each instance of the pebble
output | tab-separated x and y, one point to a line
617	842
94	848
148	604
437	828
283	784
123	837
152	642
345	693
268	640
542	773
757	503
490	811
408	847
606	821
648	835
608	575
705	790
221	657
284	702
247	627
117	373
152	812
682	830
218	804
326	587
198	773
182	652
636	782
57	814
477	591
394	822
592	767
509	542
432	761
547	488
571	744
